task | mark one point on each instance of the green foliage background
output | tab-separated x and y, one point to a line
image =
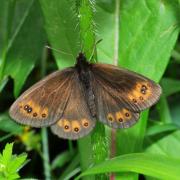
139	35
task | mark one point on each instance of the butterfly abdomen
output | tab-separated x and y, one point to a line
85	80
91	102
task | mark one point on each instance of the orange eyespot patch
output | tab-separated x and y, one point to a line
33	110
76	126
119	116
66	125
85	123
127	114
123	115
141	92
110	117
73	125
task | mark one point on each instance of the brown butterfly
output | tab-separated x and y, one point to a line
71	100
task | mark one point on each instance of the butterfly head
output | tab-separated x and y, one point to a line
81	63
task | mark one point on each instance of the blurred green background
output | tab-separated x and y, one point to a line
141	35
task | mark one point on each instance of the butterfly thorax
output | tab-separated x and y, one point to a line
83	68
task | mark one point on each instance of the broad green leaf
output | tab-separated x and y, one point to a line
26	41
62	29
174	108
164	111
106	29
156	129
176	56
145	28
170	86
159	166
168	145
8	125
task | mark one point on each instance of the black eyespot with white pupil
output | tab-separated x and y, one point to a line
34	114
66	127
86	124
26	107
143	89
29	110
76	129
120	120
43	115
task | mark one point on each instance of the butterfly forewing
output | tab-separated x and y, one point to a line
76	121
134	91
44	103
121	95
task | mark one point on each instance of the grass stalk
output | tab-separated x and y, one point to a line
92	148
44	132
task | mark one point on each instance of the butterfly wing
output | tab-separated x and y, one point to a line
44	103
76	121
122	94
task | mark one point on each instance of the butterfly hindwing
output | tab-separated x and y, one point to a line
76	121
44	102
112	112
121	95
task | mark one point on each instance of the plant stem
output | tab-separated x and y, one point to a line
44	132
116	57
86	23
46	163
116	34
92	149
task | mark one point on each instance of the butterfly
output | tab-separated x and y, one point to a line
73	99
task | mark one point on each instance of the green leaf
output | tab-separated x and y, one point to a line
71	167
168	145
25	42
4	8
10	164
170	86
145	27
8	125
156	129
150	24
61	159
106	31
175	111
7	154
159	166
3	83
62	31
164	111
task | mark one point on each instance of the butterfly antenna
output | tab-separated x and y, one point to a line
59	51
94	47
